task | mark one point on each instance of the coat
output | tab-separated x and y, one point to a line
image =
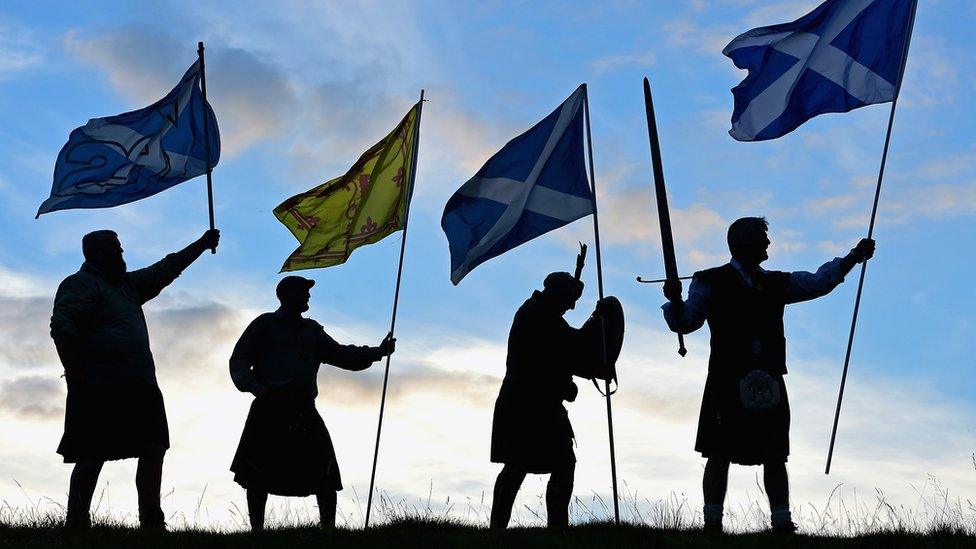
530	426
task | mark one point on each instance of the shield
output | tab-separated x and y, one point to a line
605	325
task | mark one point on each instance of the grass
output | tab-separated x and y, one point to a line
454	533
846	520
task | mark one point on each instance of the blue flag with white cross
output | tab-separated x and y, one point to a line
123	158
843	55
534	184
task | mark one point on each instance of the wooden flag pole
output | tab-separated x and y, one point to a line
599	278
206	138
874	213
396	300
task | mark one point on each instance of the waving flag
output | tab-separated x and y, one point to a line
534	184
127	157
363	206
843	55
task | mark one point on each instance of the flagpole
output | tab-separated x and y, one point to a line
874	213
599	278
396	300
206	138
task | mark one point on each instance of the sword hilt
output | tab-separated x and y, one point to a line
659	280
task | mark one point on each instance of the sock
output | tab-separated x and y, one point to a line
712	512
780	515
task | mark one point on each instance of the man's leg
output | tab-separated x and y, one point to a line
84	478
149	479
257	500
715	481
327	508
559	492
777	486
506	488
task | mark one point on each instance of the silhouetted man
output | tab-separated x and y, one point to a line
531	432
114	408
745	413
285	448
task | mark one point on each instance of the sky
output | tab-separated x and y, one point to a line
301	90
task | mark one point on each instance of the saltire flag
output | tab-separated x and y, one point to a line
123	158
363	206
843	55
536	183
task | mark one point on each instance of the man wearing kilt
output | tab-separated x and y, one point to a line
114	408
285	448
530	431
745	412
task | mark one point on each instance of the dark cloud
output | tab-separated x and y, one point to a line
24	331
192	342
33	397
252	97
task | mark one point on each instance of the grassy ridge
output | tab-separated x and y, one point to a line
439	533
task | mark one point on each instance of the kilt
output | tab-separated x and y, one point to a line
285	449
534	436
116	421
727	430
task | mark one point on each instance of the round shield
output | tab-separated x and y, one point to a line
605	330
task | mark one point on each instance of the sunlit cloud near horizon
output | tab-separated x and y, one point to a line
301	91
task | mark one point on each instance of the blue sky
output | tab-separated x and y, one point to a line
301	91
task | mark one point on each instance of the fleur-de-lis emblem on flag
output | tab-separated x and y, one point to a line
370	226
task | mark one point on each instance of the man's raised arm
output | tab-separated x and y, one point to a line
149	281
804	286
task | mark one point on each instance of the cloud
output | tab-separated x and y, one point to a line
17	53
932	73
939	202
951	166
610	63
708	39
634	221
24	339
192	341
33	397
252	97
361	389
778	12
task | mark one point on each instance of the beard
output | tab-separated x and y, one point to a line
113	269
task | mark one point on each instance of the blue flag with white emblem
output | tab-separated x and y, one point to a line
123	158
843	55
534	184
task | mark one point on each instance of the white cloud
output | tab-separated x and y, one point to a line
17	52
609	63
704	39
932	73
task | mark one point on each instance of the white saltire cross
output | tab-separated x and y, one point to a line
817	54
520	196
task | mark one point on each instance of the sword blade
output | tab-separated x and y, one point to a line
663	213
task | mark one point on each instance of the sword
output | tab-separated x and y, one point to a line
667	241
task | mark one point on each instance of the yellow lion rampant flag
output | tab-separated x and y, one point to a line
361	207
